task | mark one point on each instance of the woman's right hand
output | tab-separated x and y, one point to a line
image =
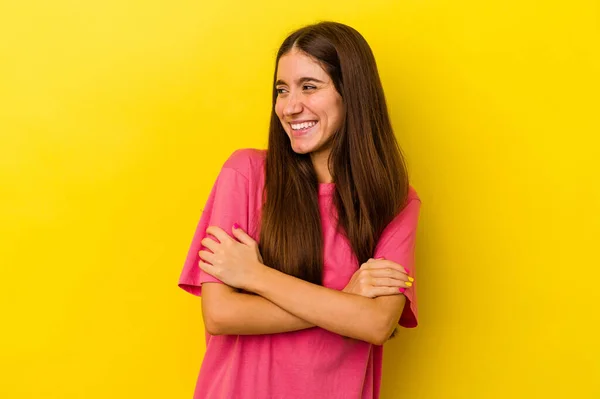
379	277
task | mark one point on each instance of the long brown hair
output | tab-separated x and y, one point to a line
366	163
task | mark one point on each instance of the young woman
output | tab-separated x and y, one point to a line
304	254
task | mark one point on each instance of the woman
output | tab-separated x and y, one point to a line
304	253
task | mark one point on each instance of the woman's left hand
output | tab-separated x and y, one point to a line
234	263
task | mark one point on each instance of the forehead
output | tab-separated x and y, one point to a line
295	64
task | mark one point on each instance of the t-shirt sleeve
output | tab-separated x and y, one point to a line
227	204
397	243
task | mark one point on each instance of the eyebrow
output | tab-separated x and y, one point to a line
300	80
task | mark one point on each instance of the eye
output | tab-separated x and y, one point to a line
308	87
280	90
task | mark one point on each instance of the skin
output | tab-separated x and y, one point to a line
312	99
235	261
371	304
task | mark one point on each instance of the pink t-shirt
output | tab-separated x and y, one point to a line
312	363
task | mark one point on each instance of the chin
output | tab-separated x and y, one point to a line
299	147
301	151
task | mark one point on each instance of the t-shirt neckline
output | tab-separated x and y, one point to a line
326	188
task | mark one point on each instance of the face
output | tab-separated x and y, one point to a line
308	105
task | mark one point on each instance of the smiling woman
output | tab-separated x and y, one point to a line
309	107
304	254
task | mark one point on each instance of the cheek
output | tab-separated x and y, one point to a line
328	107
279	110
339	112
334	113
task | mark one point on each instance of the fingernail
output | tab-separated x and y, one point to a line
407	271
236	226
408	284
402	290
380	258
411	279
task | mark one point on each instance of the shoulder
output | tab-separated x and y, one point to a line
405	222
412	195
411	207
246	160
409	214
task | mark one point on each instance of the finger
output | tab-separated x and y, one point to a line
384	291
241	235
388	263
207	256
368	263
389	282
209	243
208	268
219	233
389	273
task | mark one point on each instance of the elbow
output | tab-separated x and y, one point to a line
378	339
215	323
382	331
218	309
212	328
385	318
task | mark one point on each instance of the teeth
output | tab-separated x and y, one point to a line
304	125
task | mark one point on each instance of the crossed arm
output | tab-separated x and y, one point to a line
284	303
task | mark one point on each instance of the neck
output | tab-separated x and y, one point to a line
319	161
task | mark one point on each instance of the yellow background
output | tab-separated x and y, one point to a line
115	118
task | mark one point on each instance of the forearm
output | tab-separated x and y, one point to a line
246	314
343	313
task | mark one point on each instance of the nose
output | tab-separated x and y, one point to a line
293	105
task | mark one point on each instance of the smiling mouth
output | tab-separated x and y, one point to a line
303	128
